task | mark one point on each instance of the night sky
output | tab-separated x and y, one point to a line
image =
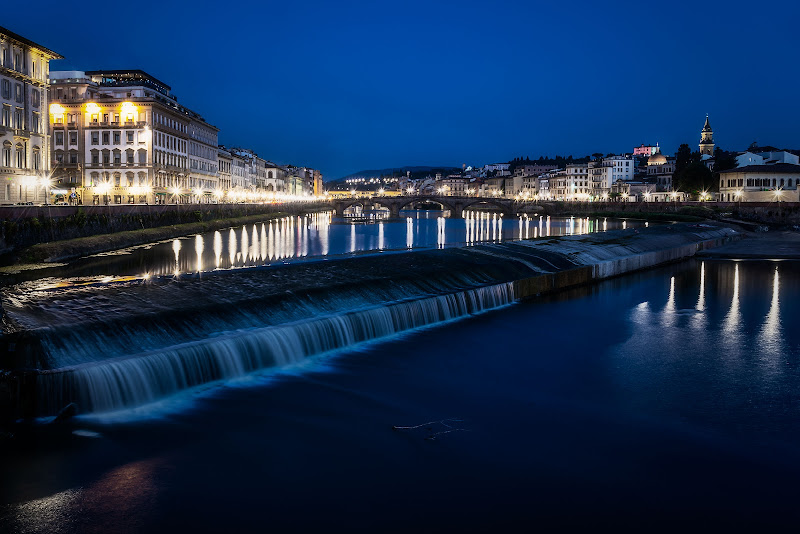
345	86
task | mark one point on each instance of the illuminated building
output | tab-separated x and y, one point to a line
120	137
604	172
24	138
707	140
645	150
662	169
777	182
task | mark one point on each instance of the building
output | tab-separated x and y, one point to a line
707	140
756	156
577	184
645	151
533	170
24	138
497	169
453	185
120	137
760	183
276	178
602	173
661	169
224	170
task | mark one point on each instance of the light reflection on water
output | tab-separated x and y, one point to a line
318	236
737	322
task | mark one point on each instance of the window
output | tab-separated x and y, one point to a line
18	119
36	126
106	137
73	93
59	157
94	117
36	99
36	159
106	157
95	157
116	138
18	93
95	138
116	180
60	138
20	157
7	156
6	89
129	136
73	157
129	157
105	117
73	138
142	157
117	157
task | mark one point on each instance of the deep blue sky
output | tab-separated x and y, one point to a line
345	86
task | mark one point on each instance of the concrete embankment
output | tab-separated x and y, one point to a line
775	245
45	329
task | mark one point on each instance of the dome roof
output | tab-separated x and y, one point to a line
657	159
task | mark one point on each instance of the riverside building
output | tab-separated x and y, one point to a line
24	138
120	137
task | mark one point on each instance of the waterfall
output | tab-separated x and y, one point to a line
135	380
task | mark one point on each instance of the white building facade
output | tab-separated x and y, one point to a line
24	137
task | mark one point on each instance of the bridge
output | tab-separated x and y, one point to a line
455	205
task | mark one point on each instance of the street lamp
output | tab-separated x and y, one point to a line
45	182
176	191
103	189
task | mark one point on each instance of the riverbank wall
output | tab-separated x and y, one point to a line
769	213
24	226
43	328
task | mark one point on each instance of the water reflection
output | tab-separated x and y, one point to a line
770	338
176	249
198	250
319	235
217	249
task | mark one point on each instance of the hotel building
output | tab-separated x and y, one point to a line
24	139
120	137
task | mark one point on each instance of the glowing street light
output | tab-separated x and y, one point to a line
410	190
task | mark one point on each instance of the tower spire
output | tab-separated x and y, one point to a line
707	139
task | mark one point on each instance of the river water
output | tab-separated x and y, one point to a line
662	400
314	237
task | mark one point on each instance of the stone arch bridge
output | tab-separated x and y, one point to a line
455	205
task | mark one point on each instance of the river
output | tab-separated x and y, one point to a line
662	400
314	237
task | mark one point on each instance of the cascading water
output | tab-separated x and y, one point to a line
134	380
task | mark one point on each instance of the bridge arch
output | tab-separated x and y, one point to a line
402	202
506	207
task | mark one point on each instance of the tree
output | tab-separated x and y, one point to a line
682	158
724	160
696	179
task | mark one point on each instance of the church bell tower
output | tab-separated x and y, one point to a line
707	139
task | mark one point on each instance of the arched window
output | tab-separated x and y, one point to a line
142	156
20	156
129	178
117	177
95	179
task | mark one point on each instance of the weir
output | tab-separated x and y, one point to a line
119	345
